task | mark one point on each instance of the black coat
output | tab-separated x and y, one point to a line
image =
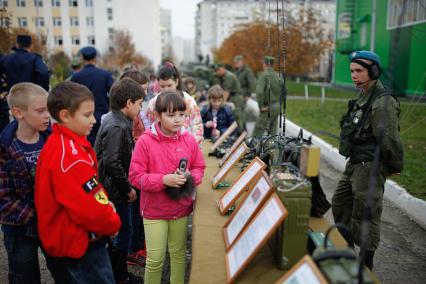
113	146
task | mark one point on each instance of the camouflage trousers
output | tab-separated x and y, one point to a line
262	122
350	199
238	102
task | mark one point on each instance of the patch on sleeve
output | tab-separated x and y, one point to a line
101	197
91	184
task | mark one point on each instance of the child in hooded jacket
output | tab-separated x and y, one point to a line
153	168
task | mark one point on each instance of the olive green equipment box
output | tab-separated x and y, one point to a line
289	243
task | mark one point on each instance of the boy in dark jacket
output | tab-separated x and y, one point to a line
114	145
216	116
20	145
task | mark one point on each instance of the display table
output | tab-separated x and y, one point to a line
208	246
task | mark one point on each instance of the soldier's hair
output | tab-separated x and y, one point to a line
135	75
215	92
67	95
169	71
20	95
170	102
123	90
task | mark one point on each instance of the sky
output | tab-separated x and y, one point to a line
183	15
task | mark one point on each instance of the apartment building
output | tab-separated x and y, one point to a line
218	19
68	25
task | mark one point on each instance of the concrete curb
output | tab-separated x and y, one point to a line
415	208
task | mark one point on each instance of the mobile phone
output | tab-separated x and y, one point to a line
183	163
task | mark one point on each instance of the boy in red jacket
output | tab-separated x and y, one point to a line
75	217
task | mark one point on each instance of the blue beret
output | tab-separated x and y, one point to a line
365	54
88	52
23	39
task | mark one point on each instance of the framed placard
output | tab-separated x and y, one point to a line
259	193
243	180
303	272
233	147
254	236
224	135
233	159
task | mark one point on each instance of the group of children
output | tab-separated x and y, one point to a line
89	209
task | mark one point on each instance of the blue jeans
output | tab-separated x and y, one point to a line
122	241
93	267
22	254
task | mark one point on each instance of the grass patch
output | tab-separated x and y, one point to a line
324	118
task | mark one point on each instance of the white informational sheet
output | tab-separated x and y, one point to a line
249	173
251	204
233	147
303	275
305	271
231	161
257	232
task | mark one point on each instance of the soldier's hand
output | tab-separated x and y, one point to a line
174	180
263	109
225	95
132	196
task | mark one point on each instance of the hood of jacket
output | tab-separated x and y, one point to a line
9	132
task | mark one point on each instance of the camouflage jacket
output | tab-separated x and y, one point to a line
247	81
268	82
228	82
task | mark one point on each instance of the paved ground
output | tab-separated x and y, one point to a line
401	257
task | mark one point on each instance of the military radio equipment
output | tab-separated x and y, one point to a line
289	243
338	265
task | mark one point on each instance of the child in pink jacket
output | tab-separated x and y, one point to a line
154	170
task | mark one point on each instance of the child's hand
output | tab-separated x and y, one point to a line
216	133
132	196
174	180
209	124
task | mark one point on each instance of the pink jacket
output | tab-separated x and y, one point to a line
155	156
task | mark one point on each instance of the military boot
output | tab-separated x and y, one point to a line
368	259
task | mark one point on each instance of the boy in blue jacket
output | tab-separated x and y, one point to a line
216	116
20	145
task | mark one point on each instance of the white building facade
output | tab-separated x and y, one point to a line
68	25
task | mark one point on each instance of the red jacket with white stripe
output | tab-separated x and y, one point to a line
71	205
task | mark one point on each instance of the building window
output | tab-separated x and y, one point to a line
74	21
39	22
38	3
20	3
110	33
3	3
56	3
91	40
73	3
90	21
58	40
109	14
402	13
57	22
22	22
89	3
75	40
344	25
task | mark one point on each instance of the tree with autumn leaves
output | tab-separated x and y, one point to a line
303	38
123	53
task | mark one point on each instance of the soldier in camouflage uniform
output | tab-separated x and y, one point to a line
268	97
361	126
229	82
245	76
